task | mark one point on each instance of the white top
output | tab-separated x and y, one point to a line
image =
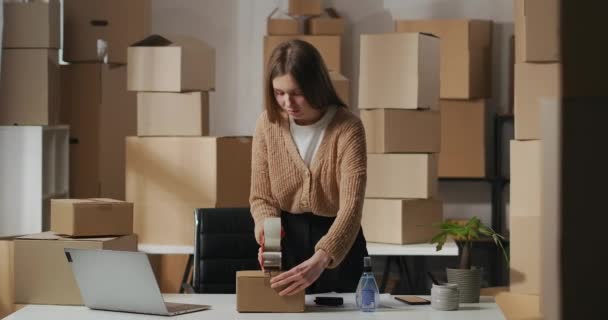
308	138
223	306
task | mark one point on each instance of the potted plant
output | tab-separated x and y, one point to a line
464	233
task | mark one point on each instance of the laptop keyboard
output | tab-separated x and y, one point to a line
179	307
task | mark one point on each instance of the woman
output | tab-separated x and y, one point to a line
309	167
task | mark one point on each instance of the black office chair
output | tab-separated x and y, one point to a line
224	244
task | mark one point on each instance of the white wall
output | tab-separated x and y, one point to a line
236	29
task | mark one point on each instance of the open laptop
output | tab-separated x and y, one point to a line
121	281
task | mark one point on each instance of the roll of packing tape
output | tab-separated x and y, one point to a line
272	234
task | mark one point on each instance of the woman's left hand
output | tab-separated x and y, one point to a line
302	275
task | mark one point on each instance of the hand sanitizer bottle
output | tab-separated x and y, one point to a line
367	295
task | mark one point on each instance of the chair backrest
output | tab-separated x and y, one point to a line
224	244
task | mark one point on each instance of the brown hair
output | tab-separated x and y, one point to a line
304	63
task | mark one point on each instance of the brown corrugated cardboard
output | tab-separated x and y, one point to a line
281	24
525	254
91	217
172	114
401	221
465	54
254	294
394	131
171	64
101	113
463	139
42	273
117	22
168	270
399	71
7	282
401	175
341	85
519	306
305	7
31	24
29	87
328	47
168	177
526	178
533	81
537	30
329	23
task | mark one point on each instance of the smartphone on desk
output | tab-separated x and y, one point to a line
413	300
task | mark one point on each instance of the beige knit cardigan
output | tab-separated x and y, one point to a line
333	186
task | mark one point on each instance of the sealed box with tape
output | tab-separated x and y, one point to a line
254	294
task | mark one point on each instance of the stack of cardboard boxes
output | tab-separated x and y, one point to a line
42	274
323	28
29	96
537	83
172	166
95	101
399	98
465	86
29	117
29	87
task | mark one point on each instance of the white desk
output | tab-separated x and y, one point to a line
224	307
395	252
373	249
417	249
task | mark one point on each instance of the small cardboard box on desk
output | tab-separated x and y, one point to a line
254	294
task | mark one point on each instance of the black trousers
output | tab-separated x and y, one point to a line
302	232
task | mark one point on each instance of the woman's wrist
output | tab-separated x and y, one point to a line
323	257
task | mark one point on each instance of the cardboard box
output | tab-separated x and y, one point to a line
401	221
526	178
330	23
463	139
101	113
305	7
172	114
7	282
526	255
42	273
519	306
29	87
466	55
533	81
168	177
171	64
254	294
537	30
394	131
401	175
278	23
328	47
404	77
101	30
91	217
31	25
341	85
